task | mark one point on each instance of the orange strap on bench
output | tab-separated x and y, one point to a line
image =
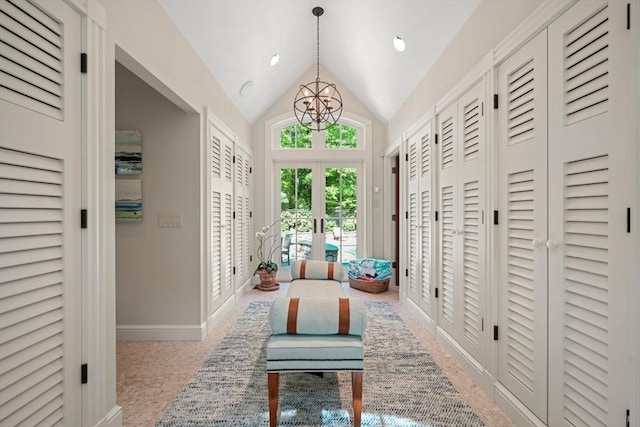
343	319
292	316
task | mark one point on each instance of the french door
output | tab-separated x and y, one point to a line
319	211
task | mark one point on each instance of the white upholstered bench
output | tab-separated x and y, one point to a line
316	328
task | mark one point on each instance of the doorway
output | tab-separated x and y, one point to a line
318	211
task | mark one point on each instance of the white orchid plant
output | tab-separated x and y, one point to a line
268	245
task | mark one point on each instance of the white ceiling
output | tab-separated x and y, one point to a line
236	39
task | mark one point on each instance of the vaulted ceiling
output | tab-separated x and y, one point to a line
237	38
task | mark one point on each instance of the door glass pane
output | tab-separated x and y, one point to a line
341	136
340	214
295	136
295	214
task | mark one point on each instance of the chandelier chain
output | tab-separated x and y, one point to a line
318	47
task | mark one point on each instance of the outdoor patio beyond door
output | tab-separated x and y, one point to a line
318	207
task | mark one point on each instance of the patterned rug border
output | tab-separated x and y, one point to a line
403	386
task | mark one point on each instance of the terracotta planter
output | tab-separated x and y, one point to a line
267	280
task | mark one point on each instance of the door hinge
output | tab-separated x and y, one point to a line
495	332
483	216
482	108
394	264
436	139
628	16
83	63
250	169
234	270
495	217
250	214
406	157
482	325
250	258
234	214
628	418
406	272
406	214
628	220
436	292
495	101
393	217
393	169
436	216
84	373
83	218
234	159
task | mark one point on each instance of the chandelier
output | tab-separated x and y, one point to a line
318	104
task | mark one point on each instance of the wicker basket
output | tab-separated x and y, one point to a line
374	287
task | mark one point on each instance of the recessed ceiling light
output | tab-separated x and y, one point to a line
399	44
246	88
274	59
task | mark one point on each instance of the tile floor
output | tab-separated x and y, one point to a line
150	374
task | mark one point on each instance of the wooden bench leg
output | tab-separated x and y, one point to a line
273	398
356	386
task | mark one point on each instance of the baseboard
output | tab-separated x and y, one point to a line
244	288
225	308
515	410
415	309
468	362
161	332
112	419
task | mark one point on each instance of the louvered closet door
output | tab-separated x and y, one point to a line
413	214
243	216
471	230
590	163
447	128
522	198
221	172
426	221
40	189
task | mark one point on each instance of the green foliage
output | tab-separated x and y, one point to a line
341	136
299	220
295	136
349	225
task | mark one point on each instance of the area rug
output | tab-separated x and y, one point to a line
402	385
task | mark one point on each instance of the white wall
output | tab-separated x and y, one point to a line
351	105
157	269
147	35
489	24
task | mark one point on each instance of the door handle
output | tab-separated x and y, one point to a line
315	225
322	226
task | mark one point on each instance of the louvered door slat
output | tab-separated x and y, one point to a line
31	30
447	157
31	69
471	129
586	68
471	261
413	242
426	245
448	227
521	95
216	160
227	255
586	292
413	162
228	163
216	245
426	212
